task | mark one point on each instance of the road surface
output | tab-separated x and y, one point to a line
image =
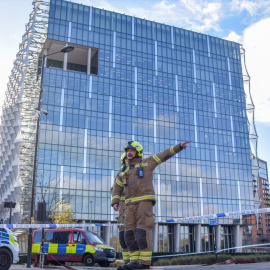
248	266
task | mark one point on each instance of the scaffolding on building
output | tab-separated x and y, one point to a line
18	122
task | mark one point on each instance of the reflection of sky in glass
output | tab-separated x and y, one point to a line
92	117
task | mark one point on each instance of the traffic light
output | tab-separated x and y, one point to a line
41	213
1	221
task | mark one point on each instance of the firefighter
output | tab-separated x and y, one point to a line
137	181
121	214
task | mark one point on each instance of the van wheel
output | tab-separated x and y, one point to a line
104	264
5	259
88	260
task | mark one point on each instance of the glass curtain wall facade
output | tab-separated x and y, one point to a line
153	83
131	79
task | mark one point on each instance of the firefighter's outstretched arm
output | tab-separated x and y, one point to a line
168	153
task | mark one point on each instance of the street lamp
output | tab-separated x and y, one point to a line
65	49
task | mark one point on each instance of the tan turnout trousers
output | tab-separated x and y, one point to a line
139	223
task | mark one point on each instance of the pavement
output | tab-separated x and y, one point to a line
245	266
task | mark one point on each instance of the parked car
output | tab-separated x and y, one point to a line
72	245
9	249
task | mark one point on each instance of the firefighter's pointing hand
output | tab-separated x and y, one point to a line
183	145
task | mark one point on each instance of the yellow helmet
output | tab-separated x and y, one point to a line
136	146
124	155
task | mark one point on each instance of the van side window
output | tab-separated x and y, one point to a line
48	236
60	237
37	238
78	237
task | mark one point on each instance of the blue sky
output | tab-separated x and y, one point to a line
243	21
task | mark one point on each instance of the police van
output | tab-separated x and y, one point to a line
9	249
72	245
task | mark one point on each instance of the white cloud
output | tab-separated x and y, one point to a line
235	37
205	15
254	8
102	4
162	12
250	6
193	14
165	7
256	44
198	15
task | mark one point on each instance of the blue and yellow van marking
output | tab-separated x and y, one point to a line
63	248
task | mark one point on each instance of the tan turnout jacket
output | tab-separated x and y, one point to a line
140	189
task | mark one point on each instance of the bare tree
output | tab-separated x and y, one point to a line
49	192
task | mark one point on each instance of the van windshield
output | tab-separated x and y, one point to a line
93	238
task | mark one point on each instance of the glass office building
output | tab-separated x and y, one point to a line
133	79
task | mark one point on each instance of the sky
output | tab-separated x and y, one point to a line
244	21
